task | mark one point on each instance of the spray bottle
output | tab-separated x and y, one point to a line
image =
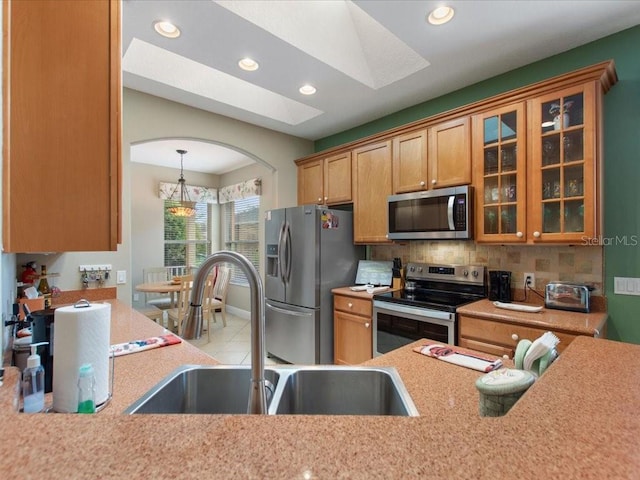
33	382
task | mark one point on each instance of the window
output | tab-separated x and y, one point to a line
187	240
241	219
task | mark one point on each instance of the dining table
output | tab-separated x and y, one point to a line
168	286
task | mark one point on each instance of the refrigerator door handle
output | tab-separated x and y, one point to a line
287	252
281	252
287	312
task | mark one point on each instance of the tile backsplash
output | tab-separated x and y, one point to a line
582	264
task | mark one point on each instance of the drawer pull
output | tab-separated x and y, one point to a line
514	336
505	356
350	305
366	325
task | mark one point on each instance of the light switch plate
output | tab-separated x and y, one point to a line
121	277
626	286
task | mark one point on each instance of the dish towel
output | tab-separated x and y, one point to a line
457	357
140	345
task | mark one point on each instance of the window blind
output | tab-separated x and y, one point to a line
242	222
187	240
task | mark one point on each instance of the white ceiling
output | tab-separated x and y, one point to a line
367	58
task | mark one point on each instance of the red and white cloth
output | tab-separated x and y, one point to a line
140	345
458	357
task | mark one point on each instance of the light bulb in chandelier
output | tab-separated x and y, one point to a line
186	208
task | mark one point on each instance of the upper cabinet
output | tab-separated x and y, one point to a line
500	174
450	153
325	181
437	157
61	108
371	187
410	172
565	186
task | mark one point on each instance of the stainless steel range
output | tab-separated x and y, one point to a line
426	308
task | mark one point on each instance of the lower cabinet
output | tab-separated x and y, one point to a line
352	330
501	338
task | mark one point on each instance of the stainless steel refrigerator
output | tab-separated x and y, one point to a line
309	251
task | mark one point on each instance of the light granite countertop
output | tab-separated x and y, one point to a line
579	420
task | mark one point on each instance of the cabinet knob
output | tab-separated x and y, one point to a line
505	356
366	325
514	336
433	182
350	305
319	199
422	184
326	198
519	234
536	234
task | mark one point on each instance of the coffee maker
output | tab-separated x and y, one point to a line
500	286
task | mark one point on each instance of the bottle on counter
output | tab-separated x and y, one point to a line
33	382
43	287
86	389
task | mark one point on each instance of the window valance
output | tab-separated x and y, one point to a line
239	191
168	191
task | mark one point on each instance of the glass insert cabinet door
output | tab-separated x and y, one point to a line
500	149
563	155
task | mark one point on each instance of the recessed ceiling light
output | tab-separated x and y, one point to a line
166	29
248	64
307	89
440	15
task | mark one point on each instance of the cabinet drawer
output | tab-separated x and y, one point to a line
486	347
505	334
358	306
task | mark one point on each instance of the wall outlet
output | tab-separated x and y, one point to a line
136	297
532	279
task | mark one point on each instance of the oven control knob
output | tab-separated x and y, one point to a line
419	269
465	273
412	268
474	273
514	336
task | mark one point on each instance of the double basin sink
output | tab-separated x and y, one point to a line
291	389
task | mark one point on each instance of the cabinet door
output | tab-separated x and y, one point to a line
372	186
450	153
337	179
410	162
565	189
353	340
310	183
500	174
62	173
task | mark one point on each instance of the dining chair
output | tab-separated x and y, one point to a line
219	295
207	303
153	275
176	315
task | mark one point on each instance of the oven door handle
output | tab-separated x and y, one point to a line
394	308
452	225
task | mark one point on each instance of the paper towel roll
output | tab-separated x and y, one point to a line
82	335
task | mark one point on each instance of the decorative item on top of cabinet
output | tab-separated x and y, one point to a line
61	105
371	187
325	181
450	153
499	146
352	330
410	162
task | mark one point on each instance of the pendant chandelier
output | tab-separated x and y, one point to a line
186	208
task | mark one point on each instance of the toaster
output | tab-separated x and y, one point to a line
567	296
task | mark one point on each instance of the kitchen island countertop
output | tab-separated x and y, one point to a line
578	421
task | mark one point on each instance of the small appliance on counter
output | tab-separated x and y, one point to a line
500	286
567	296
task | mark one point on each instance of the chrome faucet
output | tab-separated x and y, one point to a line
192	328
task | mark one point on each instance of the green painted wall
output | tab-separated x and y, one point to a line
621	154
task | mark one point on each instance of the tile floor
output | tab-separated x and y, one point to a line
231	344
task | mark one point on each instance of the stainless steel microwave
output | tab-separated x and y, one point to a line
441	214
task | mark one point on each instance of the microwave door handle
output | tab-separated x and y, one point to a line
450	212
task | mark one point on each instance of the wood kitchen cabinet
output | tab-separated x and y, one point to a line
61	106
325	181
450	153
352	329
410	164
499	145
538	174
501	338
371	187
